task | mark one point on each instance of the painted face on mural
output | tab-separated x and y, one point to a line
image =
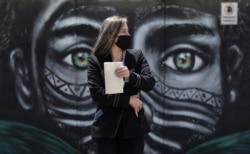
65	92
186	103
67	97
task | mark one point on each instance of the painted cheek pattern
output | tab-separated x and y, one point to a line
180	118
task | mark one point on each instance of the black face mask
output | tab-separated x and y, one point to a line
123	42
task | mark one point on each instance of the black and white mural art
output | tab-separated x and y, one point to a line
199	104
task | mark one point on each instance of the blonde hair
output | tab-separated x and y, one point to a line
109	30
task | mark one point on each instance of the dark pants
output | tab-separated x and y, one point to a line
119	146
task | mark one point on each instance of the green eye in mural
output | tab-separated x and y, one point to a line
185	61
80	59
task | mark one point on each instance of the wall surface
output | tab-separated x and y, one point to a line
199	104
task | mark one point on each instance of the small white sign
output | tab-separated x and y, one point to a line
229	13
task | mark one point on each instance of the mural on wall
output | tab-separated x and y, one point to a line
200	66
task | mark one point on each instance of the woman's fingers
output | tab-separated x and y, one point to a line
122	72
136	113
137	110
136	104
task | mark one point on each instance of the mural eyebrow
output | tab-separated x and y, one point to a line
83	30
180	30
170	32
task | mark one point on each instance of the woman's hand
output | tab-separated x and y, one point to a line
135	103
122	72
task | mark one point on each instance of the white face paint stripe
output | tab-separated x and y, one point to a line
75	111
75	123
183	124
164	141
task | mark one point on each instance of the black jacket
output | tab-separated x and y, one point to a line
113	110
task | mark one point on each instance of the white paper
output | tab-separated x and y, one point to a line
113	84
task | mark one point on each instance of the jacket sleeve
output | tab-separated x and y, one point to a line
97	87
143	80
